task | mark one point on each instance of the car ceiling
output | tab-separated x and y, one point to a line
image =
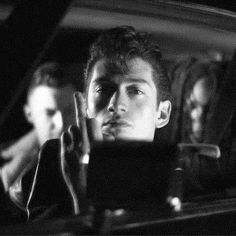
180	26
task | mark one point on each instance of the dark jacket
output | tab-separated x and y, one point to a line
49	195
114	179
18	163
9	212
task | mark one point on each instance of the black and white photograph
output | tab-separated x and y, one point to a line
117	117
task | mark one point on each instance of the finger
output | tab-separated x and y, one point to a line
65	143
80	109
94	131
75	136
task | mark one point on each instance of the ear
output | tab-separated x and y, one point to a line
163	114
27	112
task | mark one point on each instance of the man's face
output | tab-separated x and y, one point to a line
124	104
51	111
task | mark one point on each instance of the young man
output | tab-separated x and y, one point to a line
50	110
127	98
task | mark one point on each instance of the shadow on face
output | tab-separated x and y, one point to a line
125	104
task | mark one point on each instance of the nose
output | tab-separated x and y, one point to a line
58	121
117	103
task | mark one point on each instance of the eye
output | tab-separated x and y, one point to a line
99	89
104	89
135	90
50	112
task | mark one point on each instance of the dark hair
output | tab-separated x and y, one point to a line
200	70
184	75
121	44
54	75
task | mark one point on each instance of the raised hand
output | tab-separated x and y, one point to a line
75	148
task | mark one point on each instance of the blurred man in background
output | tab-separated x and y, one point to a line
50	110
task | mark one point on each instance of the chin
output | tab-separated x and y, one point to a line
123	137
117	137
109	138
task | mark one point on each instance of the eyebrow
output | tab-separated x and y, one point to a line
128	80
101	79
136	80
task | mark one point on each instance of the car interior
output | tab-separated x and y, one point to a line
63	32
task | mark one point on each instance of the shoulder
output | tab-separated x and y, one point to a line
50	147
48	188
48	165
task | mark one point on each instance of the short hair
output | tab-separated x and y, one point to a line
54	75
121	44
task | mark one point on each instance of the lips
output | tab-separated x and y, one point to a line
115	124
114	129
